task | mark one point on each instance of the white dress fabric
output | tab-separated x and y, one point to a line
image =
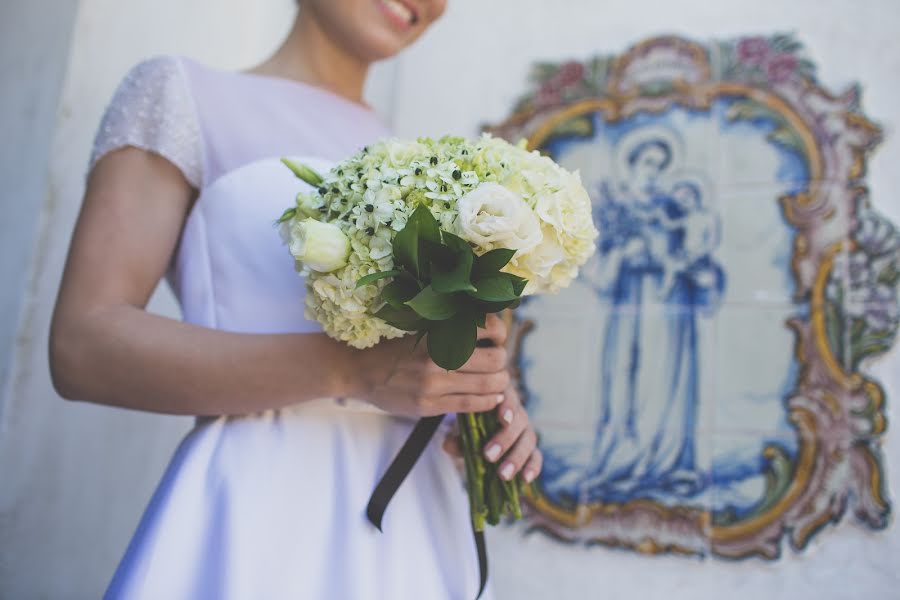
272	505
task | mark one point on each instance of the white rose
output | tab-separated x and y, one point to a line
322	247
492	216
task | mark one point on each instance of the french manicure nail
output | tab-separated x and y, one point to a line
507	471
499	398
493	453
529	476
508	416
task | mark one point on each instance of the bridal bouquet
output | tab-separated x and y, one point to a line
427	237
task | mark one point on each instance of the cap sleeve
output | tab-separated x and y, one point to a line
153	109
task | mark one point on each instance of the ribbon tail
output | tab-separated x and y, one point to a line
400	467
482	561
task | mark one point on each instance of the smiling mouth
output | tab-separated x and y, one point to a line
401	11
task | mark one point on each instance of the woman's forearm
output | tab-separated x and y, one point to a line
123	356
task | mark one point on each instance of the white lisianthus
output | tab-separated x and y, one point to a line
322	247
491	216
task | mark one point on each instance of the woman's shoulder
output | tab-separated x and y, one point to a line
154	73
169	75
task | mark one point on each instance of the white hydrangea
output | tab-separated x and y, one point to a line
487	191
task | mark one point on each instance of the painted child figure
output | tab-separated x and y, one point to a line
692	232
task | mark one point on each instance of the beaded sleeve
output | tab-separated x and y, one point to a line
153	110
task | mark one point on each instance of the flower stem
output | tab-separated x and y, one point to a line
477	472
490	497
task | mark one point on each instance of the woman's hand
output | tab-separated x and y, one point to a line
404	381
516	442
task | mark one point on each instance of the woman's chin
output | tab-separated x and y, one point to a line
381	45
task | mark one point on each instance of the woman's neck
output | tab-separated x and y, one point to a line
311	56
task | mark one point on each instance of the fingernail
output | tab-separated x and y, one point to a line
529	476
493	452
508	416
507	471
500	398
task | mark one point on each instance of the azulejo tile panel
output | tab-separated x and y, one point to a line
701	388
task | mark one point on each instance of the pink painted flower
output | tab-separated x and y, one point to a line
781	67
547	96
753	50
570	73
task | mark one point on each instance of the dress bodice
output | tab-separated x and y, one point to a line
226	131
232	270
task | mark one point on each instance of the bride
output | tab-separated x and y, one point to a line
266	495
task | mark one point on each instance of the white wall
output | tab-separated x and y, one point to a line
31	77
68	504
849	41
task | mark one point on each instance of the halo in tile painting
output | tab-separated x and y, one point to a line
702	388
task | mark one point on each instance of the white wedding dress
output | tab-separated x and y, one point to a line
272	505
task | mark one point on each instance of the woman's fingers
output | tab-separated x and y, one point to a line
513	424
459	403
451	445
533	467
511	405
458	382
494	329
516	458
486	360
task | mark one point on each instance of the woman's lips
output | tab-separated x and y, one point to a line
401	14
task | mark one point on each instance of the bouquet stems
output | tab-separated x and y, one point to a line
490	497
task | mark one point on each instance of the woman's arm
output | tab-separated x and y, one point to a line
105	348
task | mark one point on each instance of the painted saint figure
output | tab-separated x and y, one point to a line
655	271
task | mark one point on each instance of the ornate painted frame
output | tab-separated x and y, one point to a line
836	411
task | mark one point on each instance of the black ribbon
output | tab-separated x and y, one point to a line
398	470
401	466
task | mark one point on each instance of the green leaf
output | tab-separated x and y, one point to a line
429	229
421	225
287	215
495	288
518	283
492	261
404	318
455	278
436	253
456	243
406	247
494	307
452	342
434	306
419	335
373	277
303	172
399	292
